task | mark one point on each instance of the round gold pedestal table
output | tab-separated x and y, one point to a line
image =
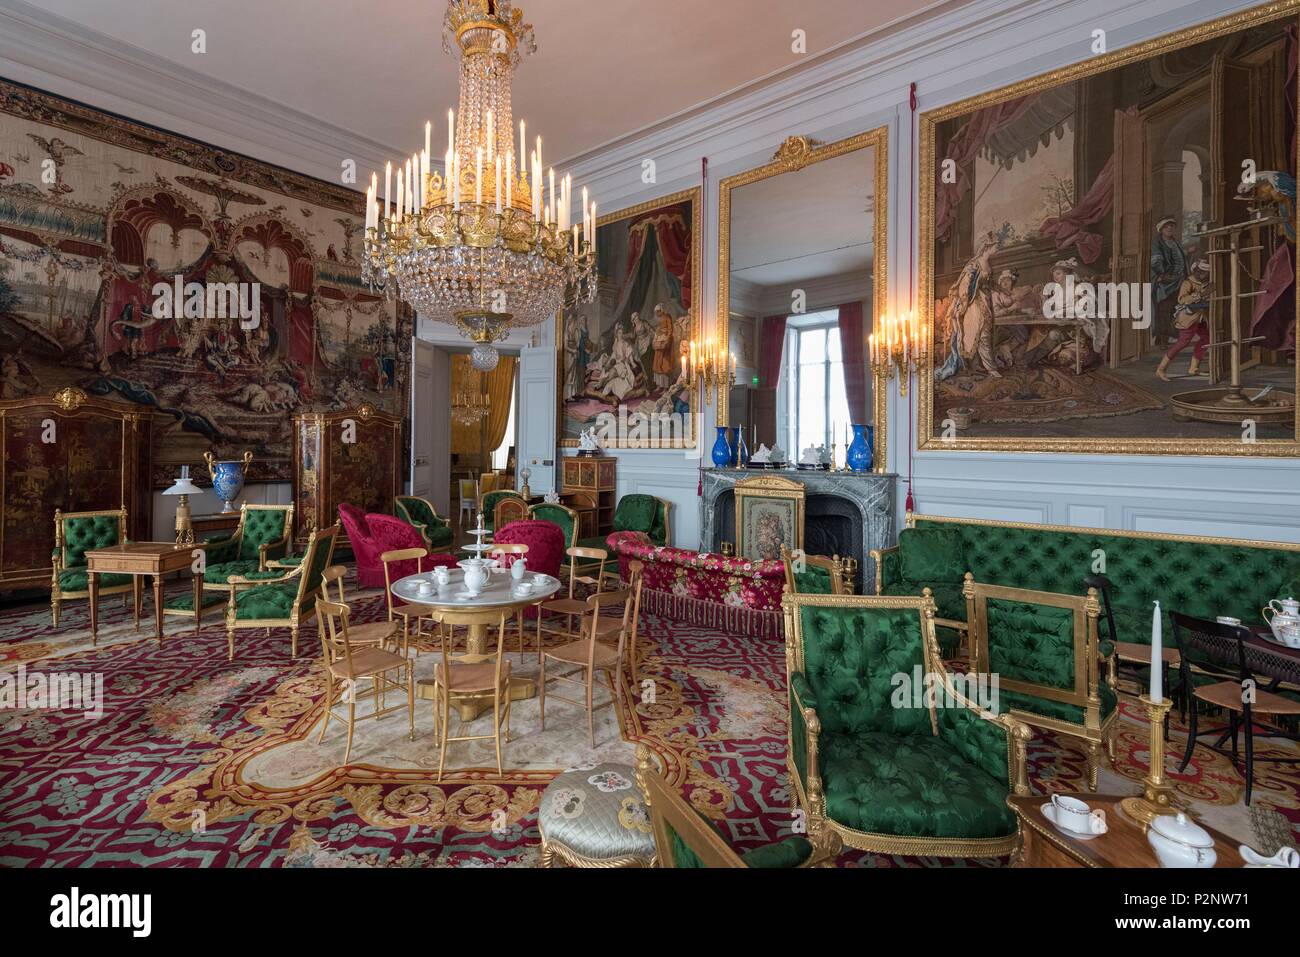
497	595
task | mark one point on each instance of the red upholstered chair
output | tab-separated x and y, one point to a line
545	543
372	535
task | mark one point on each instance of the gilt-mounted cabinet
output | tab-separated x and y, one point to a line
74	453
590	487
344	456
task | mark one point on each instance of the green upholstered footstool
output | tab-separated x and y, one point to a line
595	816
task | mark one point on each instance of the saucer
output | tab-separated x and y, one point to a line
1049	812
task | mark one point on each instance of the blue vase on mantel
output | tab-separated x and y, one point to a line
721	450
861	448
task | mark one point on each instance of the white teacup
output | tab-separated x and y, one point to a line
1075	815
441	575
523	588
425	588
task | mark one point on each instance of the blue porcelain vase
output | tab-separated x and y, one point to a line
721	450
861	448
228	478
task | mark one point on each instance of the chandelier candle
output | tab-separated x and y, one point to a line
457	260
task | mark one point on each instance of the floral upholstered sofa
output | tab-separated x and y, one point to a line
704	588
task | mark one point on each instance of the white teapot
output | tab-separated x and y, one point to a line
1283	616
1180	842
476	576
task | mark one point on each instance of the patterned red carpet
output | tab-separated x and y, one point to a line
159	778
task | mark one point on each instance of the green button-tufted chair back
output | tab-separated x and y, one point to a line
1202	579
320	553
415	510
560	515
851	655
813	581
642	513
86	532
1034	643
262	526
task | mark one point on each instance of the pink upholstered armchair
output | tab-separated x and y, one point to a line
372	535
545	543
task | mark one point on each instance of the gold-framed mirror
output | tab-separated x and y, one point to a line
801	278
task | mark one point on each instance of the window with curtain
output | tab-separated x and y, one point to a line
813	383
501	454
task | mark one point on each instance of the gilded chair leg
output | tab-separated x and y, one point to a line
496	731
591	715
293	642
1110	743
352	724
329	703
410	701
230	642
1094	759
446	720
541	690
548	856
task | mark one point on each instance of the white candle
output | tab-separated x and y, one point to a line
388	186
455	160
539	155
446	175
551	204
399	201
575	240
592	239
1156	691
510	178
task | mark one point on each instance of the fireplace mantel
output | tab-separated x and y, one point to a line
868	495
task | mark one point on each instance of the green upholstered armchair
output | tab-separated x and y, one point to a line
932	558
684	838
435	531
562	516
639	513
488	504
76	533
893	773
262	534
814	574
277	598
1043	647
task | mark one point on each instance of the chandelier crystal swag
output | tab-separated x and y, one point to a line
489	243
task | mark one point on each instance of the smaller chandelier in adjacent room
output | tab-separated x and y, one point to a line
489	244
468	408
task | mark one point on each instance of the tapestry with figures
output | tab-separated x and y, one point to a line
114	237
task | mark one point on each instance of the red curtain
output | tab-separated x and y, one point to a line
853	355
773	348
672	230
964	147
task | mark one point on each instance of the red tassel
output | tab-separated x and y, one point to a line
910	506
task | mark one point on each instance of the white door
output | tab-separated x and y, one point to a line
536	417
422	420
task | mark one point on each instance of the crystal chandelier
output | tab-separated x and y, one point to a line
468	408
487	244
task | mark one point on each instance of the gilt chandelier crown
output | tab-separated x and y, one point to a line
490	242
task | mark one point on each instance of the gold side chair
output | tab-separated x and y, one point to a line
471	677
402	610
377	634
347	664
571	606
499	551
588	655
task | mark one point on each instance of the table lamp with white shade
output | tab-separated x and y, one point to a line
184	488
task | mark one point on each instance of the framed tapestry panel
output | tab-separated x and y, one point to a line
98	212
1108	251
769	514
620	357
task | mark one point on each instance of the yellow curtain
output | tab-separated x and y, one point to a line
498	385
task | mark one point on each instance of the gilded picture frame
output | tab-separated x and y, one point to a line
769	514
939	429
794	154
571	377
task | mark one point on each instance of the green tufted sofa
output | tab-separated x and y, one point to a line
76	533
435	531
893	779
262	534
1199	576
638	513
279	598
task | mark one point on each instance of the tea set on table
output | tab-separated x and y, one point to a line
1283	618
477	572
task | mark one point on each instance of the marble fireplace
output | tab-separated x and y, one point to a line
846	513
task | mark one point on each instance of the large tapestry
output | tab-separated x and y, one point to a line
114	238
620	357
1108	252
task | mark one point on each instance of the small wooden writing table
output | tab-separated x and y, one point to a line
140	558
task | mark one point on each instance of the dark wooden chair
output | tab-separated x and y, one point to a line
1219	651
